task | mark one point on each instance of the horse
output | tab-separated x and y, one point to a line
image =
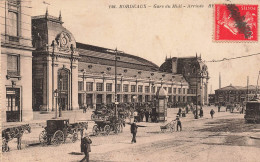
14	132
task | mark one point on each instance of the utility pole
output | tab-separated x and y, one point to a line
196	115
52	73
71	68
116	59
116	102
60	87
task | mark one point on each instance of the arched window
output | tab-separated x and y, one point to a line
63	76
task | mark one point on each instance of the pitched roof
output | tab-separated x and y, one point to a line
100	55
100	69
230	87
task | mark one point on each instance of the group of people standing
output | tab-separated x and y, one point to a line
140	115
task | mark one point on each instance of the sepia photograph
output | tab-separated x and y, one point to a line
130	80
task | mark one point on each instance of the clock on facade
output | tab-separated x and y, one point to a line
64	41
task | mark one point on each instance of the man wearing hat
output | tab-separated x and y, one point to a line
134	131
85	147
178	122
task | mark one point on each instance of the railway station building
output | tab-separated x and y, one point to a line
56	69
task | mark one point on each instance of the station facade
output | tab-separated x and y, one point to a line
135	77
55	69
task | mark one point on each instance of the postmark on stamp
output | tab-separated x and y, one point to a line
235	22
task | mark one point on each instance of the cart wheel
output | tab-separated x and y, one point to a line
43	138
164	130
58	138
74	137
95	130
117	128
107	129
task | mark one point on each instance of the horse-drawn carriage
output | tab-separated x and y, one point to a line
107	124
100	113
58	130
14	132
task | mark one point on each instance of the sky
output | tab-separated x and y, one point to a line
157	33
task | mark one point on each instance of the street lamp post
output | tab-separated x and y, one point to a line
116	102
71	68
52	72
56	108
60	106
116	58
84	96
134	97
196	116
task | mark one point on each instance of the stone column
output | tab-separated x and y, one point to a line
104	98
128	98
94	100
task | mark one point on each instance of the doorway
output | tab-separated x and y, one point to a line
13	106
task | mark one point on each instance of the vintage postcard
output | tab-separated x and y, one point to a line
130	80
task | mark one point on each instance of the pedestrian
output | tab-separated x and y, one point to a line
142	115
212	112
134	132
135	116
201	112
84	108
242	110
219	107
187	109
178	123
146	115
85	147
179	112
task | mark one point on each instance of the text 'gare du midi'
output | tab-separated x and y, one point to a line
45	66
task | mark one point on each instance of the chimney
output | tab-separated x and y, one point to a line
174	65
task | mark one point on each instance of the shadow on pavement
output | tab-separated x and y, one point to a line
229	125
76	153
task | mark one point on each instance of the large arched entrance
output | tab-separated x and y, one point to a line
63	88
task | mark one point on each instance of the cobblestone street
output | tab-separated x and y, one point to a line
224	138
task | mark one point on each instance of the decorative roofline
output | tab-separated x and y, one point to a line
48	17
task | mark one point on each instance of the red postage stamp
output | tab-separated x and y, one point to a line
236	22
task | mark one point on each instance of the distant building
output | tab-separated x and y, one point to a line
195	71
235	94
16	61
211	99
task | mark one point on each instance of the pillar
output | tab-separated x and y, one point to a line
104	98
94	100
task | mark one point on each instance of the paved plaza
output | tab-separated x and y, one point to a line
226	137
